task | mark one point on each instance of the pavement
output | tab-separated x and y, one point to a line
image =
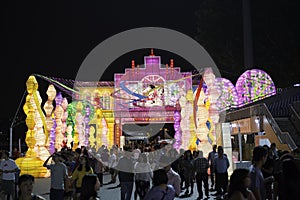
107	192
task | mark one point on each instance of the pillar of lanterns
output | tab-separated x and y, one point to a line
48	108
58	113
32	163
64	118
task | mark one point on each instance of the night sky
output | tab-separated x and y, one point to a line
52	39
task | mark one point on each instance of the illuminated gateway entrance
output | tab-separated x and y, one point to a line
148	96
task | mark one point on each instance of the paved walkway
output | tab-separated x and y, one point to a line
107	192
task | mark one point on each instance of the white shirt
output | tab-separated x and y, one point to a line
174	180
113	161
136	154
7	165
143	171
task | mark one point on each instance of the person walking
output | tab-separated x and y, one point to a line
125	173
201	165
59	173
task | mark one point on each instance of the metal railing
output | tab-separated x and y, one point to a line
259	110
295	118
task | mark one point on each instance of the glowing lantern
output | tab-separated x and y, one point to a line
177	135
104	131
64	106
48	108
186	112
58	112
209	77
87	126
213	94
91	137
35	131
189	95
78	136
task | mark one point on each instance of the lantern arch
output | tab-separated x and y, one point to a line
253	85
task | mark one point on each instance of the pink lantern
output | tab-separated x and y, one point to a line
209	77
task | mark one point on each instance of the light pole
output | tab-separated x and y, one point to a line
247	31
240	142
236	124
12	125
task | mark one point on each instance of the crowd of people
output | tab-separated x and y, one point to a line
158	172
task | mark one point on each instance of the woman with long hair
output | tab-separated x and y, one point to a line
238	185
81	170
90	187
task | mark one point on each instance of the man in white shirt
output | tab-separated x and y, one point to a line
8	169
136	153
173	177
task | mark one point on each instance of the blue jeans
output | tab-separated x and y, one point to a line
56	194
126	190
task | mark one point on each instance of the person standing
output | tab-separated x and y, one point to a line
221	165
16	154
274	150
90	187
238	185
258	182
188	172
289	180
125	173
8	169
105	159
143	176
201	165
211	157
99	168
113	161
25	185
160	190
173	177
59	173
136	153
267	170
81	170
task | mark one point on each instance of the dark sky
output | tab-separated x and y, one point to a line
52	39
